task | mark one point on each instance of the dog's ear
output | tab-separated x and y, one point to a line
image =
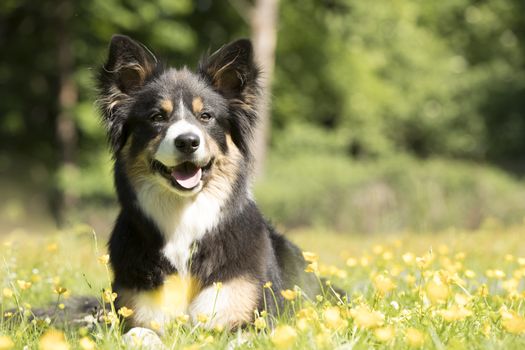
129	65
231	70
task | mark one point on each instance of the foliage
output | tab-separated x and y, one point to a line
454	289
310	181
375	80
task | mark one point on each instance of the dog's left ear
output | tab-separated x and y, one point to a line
231	69
128	67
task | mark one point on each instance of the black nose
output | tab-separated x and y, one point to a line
187	143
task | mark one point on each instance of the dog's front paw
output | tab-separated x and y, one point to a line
143	338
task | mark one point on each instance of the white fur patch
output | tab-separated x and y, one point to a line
168	154
182	220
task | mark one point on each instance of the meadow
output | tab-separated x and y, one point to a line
453	289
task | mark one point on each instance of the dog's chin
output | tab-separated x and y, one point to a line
185	179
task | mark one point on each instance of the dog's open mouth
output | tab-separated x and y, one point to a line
184	176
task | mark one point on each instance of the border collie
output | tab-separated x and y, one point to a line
181	141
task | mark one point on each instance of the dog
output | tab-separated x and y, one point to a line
189	238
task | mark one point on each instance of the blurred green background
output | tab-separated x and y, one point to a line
386	115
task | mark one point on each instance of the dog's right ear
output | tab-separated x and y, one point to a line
129	65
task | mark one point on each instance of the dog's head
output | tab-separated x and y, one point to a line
176	127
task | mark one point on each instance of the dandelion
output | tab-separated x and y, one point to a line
6	343
23	285
289	294
268	285
125	312
284	337
86	344
310	257
414	337
7	293
53	340
384	334
366	318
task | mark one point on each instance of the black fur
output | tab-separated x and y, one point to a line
242	243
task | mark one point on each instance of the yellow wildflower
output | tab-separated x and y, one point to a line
351	262
384	334
7	293
259	323
437	291
332	317
289	294
202	318
310	257
366	318
284	337
512	322
312	267
23	285
86	343
414	337
408	258
455	313
155	325
109	296
268	285
125	312
59	290
53	340
103	259
182	318
383	284
6	343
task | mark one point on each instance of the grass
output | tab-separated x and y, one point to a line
447	290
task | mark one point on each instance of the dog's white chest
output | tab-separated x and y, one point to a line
182	221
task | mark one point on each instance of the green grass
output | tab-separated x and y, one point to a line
452	289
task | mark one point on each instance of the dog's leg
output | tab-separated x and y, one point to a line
228	305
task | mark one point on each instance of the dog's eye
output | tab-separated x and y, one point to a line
205	117
157	117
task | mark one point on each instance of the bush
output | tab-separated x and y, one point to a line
324	187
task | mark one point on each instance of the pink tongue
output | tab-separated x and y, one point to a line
189	178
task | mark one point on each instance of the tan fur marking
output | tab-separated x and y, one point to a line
160	305
167	106
230	306
226	167
197	105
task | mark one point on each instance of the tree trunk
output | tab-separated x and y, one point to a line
263	22
66	132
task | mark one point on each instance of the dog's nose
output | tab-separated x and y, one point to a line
187	143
